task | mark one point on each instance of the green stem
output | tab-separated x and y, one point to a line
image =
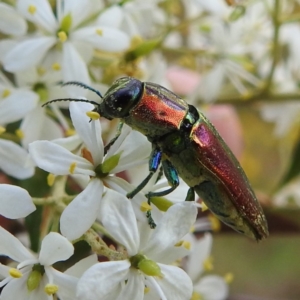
275	52
100	248
258	97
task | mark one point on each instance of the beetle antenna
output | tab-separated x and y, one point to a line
71	99
81	85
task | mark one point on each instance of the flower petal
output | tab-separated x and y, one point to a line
38	126
200	251
74	69
15	202
66	284
55	248
80	267
11	22
90	132
176	284
118	218
17	105
57	160
43	15
212	287
135	150
101	279
134	288
27	53
14	160
15	288
82	212
103	38
12	247
175	223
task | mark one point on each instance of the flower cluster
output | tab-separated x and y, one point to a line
89	239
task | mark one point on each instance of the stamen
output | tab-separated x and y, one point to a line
145	206
50	179
2	129
208	264
15	273
20	133
72	167
62	36
6	93
51	289
93	115
32	9
56	66
99	31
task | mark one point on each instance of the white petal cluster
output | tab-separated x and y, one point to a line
77	183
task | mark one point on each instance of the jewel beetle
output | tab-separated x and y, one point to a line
184	143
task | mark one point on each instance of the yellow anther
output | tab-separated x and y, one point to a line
146	290
99	31
72	167
51	289
56	66
185	244
192	229
204	206
62	36
135	41
145	206
50	179
41	71
70	132
6	93
93	115
2	129
32	9
20	133
228	277
246	95
15	273
215	223
208	264
196	296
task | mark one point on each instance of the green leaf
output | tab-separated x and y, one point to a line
142	49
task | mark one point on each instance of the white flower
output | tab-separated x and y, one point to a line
14	160
10	21
35	278
63	30
226	45
15	202
208	287
149	253
15	103
130	149
137	18
285	116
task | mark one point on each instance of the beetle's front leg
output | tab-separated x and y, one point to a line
154	162
112	141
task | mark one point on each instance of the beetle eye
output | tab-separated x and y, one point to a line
121	97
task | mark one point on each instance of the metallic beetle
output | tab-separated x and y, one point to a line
186	142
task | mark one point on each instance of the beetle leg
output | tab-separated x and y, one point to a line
172	177
190	196
154	162
112	141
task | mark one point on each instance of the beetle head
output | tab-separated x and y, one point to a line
120	98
